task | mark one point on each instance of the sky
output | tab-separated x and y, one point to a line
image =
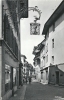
28	41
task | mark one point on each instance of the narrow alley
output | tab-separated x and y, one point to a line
31	49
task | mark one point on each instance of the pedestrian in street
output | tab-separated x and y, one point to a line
29	80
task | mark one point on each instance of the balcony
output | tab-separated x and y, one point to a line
37	56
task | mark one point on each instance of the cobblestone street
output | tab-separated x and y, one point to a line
38	91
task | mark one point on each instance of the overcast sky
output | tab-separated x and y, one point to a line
28	41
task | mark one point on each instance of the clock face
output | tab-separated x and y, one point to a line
34	29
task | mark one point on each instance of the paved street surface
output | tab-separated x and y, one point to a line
38	91
19	95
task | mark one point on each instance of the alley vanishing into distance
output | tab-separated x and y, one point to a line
32	67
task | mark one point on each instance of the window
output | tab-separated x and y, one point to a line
46	58
52	43
24	70
7	77
52	59
47	47
41	62
44	61
53	27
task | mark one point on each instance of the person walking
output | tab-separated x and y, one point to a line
29	80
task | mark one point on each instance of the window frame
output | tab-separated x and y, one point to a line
52	43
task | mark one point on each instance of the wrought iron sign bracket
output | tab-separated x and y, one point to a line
37	10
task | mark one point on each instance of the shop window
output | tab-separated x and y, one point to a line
7	77
14	76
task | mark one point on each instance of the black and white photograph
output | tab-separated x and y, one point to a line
31	49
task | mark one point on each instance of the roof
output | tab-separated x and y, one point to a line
57	13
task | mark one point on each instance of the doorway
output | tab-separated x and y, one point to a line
57	77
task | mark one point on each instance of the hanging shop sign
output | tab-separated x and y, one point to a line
34	29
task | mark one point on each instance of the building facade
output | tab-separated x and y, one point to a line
27	69
36	52
9	47
44	62
50	50
54	35
23	59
